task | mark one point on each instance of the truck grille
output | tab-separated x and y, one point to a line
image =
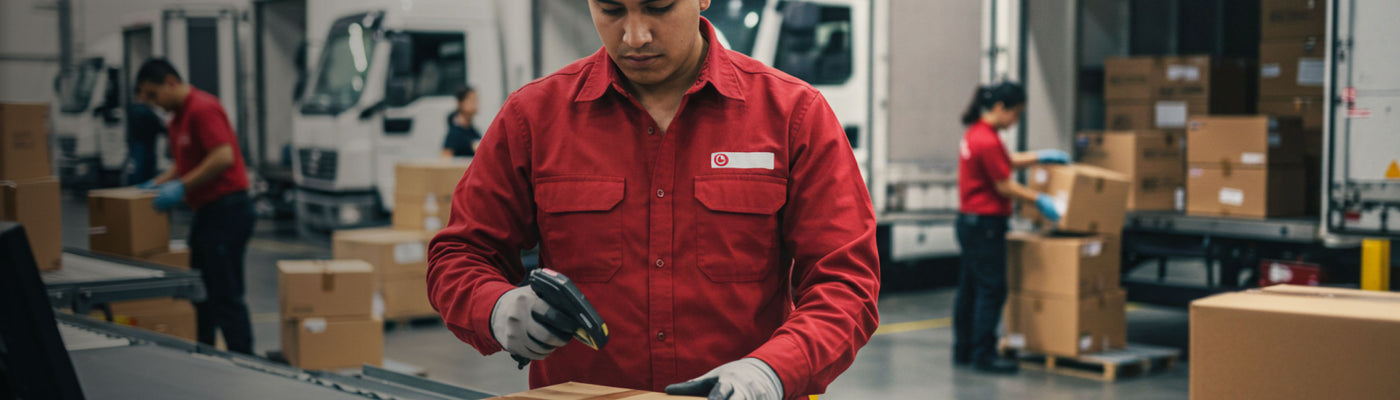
318	164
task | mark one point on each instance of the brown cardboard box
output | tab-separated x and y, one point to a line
1292	67
325	288
1154	160
424	212
1090	199
173	317
1071	266
583	391
1067	326
1130	115
177	256
1276	191
1130	78
36	204
333	343
1292	18
24	141
393	254
1249	141
423	193
125	222
1309	108
1209	85
407	298
1295	342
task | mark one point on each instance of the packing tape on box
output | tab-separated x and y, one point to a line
1343	296
314	325
97	230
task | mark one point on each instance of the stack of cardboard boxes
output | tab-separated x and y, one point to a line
327	319
1065	296
29	194
423	194
1162	92
1245	166
1153	160
400	262
1292	63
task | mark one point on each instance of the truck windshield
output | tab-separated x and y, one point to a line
344	66
75	89
737	21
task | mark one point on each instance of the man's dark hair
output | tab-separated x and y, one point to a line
463	92
155	70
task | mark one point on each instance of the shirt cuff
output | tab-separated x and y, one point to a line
790	362
482	303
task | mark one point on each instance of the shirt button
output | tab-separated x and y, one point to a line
661	336
651	130
659	263
660	193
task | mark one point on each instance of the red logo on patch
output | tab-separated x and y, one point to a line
721	160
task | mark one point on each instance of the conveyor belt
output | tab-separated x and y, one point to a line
88	279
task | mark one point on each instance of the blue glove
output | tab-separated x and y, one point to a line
147	185
1046	204
1052	156
171	194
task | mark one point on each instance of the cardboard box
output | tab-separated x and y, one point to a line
36	204
1308	108
1208	85
1292	67
1295	342
394	254
426	212
583	391
125	222
407	298
1067	326
1130	115
1090	199
1245	192
1292	18
173	317
1284	272
333	343
24	141
1244	141
1130	78
1071	266
178	256
423	193
1154	161
325	288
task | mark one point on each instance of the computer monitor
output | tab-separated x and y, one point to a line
33	362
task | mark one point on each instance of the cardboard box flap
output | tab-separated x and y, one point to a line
1316	302
123	193
583	391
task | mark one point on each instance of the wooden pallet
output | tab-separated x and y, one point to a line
1108	366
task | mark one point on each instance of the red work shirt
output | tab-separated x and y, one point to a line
982	162
197	128
743	231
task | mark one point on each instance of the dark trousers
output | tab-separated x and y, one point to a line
981	285
218	240
141	156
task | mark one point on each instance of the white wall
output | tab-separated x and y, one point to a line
934	65
1051	73
28	50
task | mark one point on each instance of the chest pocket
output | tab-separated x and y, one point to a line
737	232
580	225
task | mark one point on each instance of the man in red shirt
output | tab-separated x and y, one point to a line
210	177
709	207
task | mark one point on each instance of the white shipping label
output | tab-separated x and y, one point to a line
1249	158
1016	341
432	224
1231	197
1196	172
406	253
1275	140
1180	203
1086	342
1311	72
1091	249
1061	203
1270	70
376	307
1041	175
1188	73
1279	273
97	230
314	325
1171	114
741	160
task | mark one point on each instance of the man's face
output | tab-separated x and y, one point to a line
649	40
468	105
163	95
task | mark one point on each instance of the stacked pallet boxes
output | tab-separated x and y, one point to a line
1292	64
327	319
1153	160
29	194
1245	166
1143	93
400	262
1065	296
423	194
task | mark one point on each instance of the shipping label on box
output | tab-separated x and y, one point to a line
1245	141
36	204
24	141
325	288
333	343
1292	67
125	222
1245	192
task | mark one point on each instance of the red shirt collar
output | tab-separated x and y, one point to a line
718	71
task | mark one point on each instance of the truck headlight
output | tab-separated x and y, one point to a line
350	215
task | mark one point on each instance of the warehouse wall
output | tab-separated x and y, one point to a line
934	66
28	50
1051	73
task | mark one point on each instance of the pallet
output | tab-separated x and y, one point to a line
1107	366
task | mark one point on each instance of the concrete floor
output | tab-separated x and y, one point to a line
909	359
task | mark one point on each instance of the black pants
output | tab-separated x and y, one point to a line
218	240
981	285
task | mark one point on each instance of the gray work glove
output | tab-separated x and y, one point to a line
746	379
517	330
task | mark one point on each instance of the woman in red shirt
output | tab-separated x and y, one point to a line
986	189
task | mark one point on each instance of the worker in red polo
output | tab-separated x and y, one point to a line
708	206
987	187
210	177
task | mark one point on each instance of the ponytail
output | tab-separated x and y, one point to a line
974	107
1009	94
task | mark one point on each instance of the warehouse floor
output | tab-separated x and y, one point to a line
907	359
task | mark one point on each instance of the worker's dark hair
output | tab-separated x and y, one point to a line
155	70
1009	94
463	92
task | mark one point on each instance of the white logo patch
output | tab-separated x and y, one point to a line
741	160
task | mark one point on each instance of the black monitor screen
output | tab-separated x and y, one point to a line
33	362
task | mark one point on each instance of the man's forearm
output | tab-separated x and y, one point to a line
164	177
1024	159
